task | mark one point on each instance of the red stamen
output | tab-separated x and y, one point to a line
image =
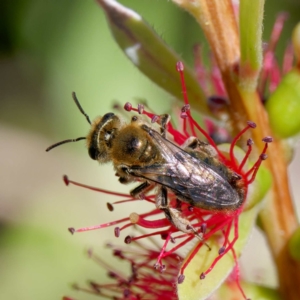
191	256
67	181
180	68
253	171
158	262
229	247
232	158
108	224
156	233
139	220
249	144
237	274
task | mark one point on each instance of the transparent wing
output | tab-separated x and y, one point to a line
191	179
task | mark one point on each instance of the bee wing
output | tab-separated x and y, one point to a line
189	178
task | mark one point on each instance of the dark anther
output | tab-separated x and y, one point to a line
111	274
128	106
117	231
267	139
72	230
250	142
66	179
128	239
126	293
183	115
180	279
202	276
118	253
163	268
185	108
110	206
221	250
179	66
251	124
263	156
203	228
134	118
164	236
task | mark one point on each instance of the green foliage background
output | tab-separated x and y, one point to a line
48	49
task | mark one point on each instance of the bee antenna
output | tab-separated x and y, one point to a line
72	140
65	142
80	108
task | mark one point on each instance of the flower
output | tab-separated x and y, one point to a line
207	221
142	282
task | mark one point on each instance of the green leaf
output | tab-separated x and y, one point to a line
193	288
150	53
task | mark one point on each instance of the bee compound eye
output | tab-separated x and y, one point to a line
107	117
93	153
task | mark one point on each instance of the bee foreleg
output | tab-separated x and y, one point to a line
174	215
140	190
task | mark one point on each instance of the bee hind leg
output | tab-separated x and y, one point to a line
193	144
174	215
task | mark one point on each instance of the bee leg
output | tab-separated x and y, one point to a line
174	215
124	179
164	120
194	144
208	154
139	191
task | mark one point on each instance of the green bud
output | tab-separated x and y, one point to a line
294	245
283	106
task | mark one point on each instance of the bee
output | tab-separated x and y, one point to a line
191	172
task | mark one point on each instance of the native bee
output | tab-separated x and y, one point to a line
138	152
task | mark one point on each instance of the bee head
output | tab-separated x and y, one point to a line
103	132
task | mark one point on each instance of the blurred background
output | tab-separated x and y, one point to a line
49	49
